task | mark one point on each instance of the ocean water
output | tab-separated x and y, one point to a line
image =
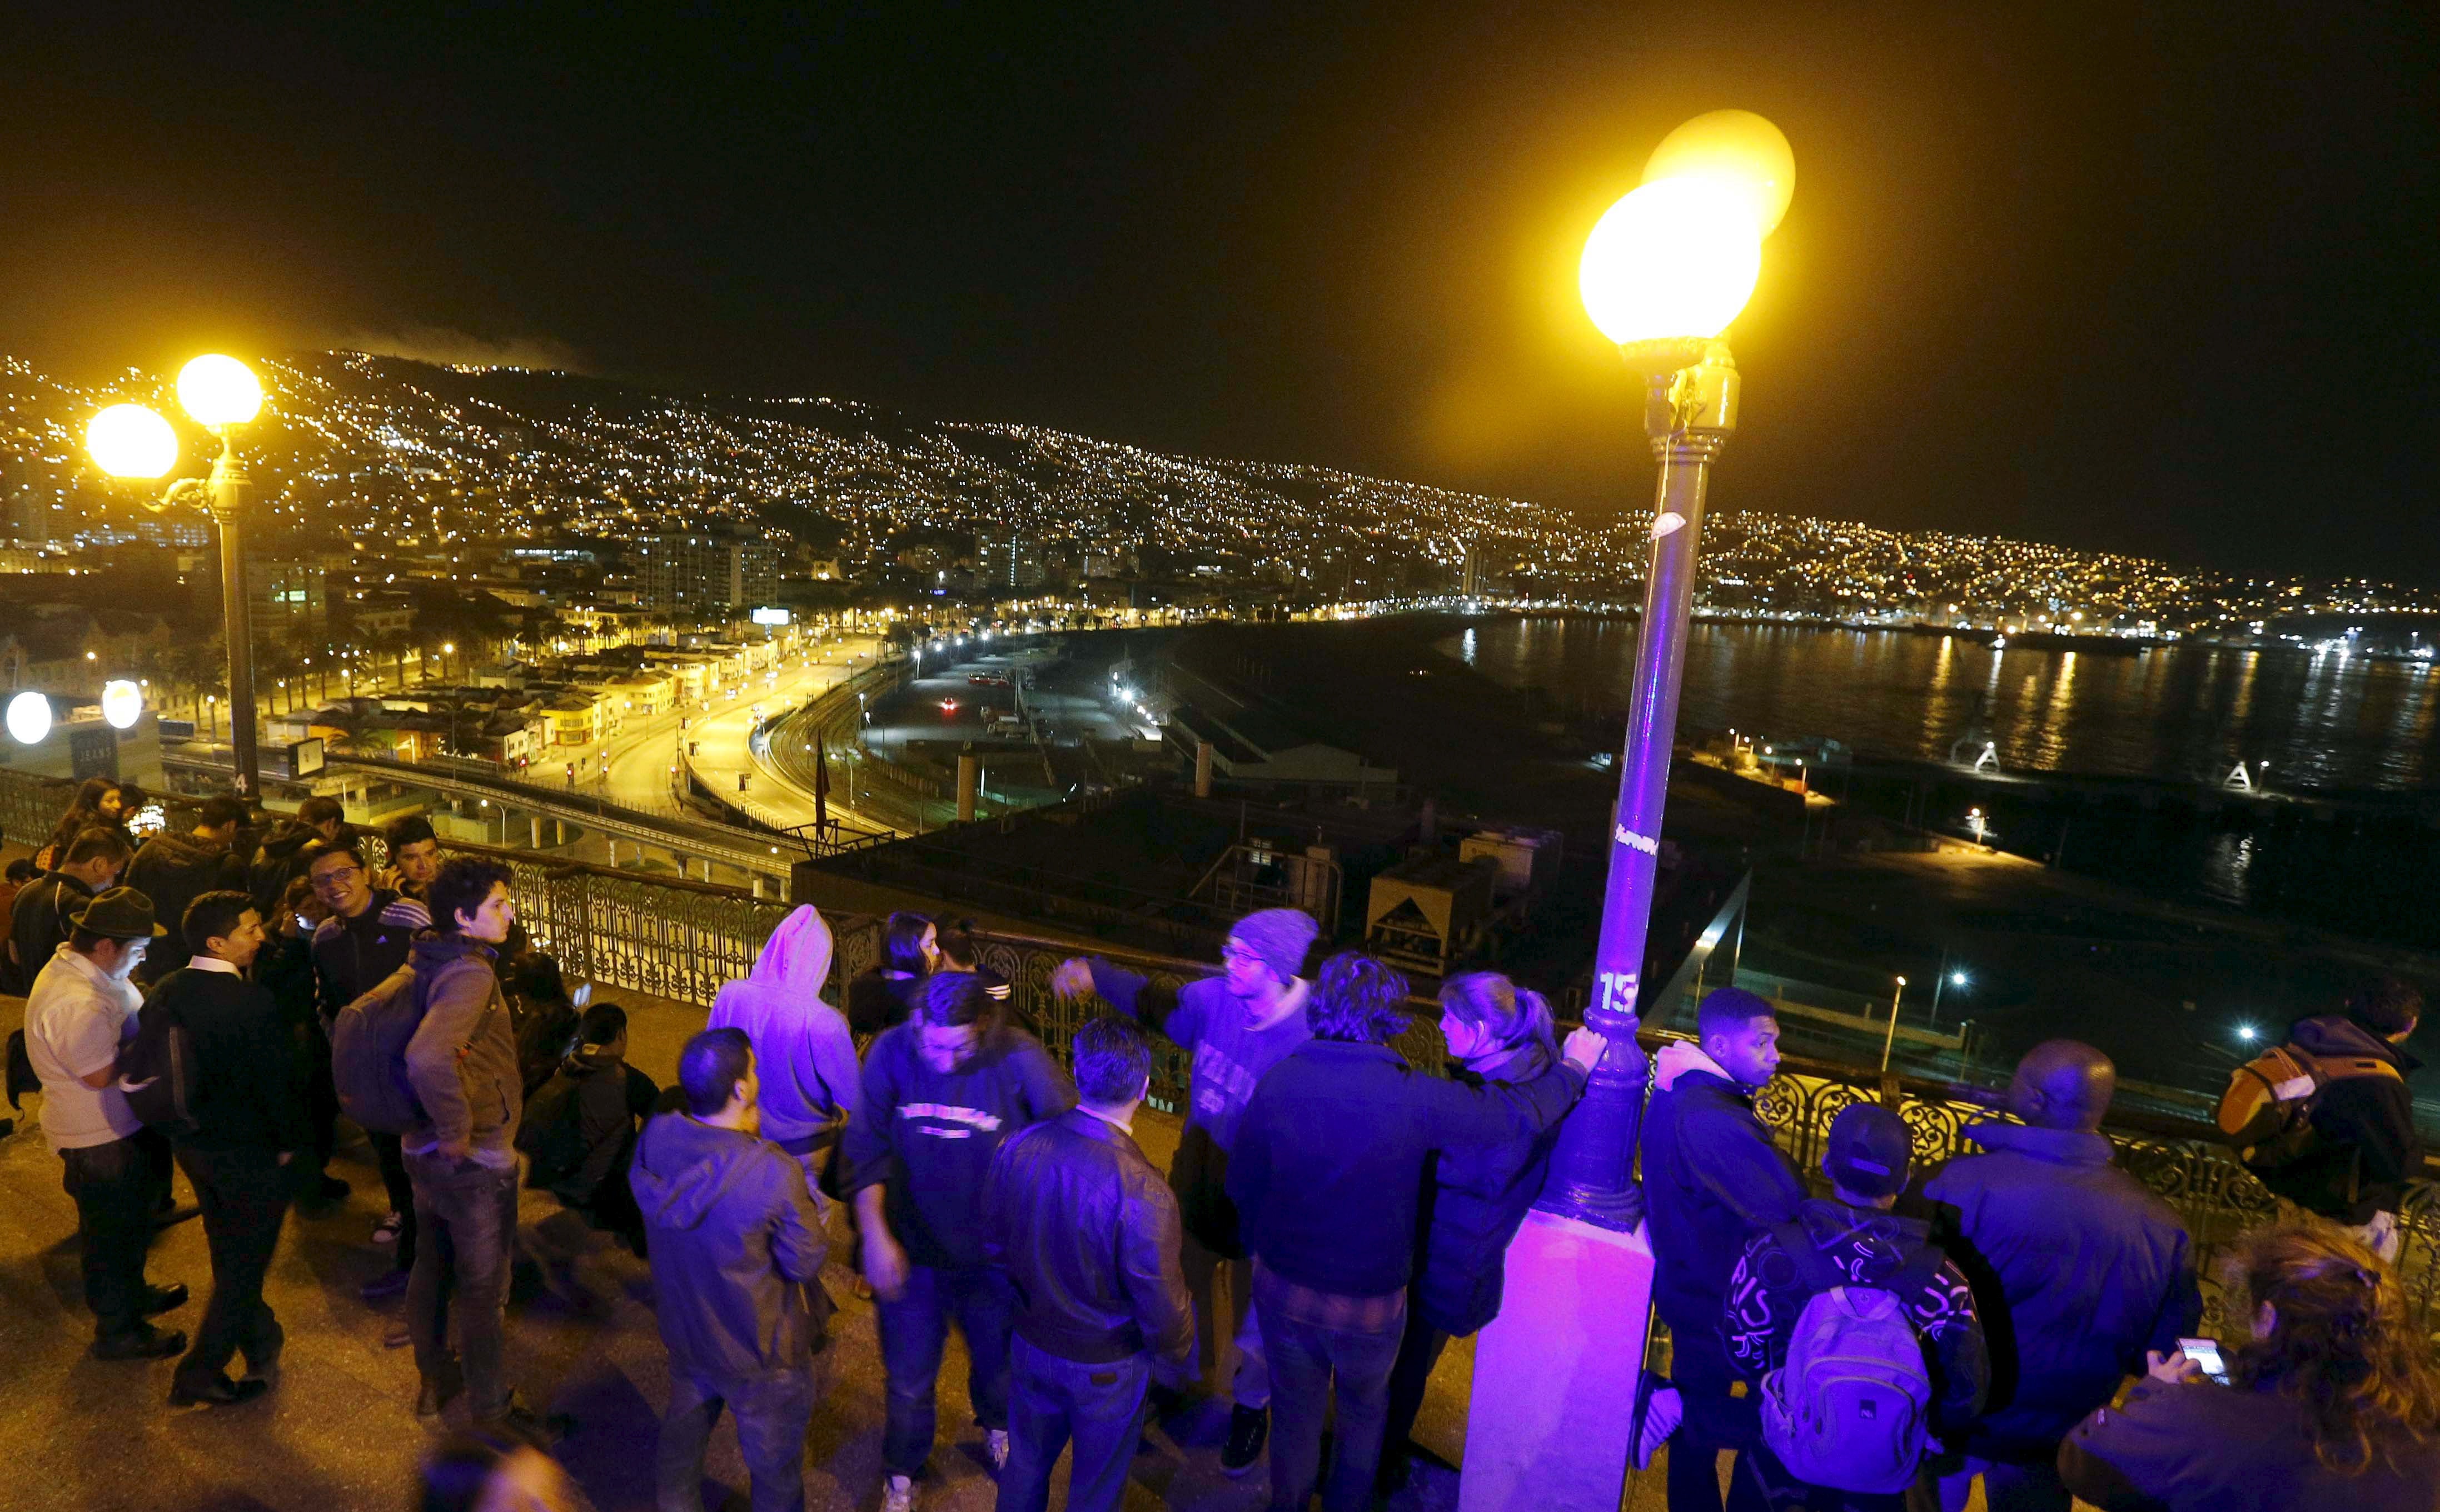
2322	721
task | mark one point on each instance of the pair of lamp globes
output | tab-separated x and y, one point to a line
133	441
1673	262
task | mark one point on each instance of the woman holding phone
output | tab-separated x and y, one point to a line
2333	1402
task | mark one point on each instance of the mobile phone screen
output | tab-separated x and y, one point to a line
2205	1352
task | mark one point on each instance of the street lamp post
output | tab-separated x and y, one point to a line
130	441
1664	272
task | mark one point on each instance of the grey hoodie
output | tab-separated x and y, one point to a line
734	1242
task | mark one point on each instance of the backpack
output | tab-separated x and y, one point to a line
551	1136
2267	1113
368	1055
159	1072
1849	1407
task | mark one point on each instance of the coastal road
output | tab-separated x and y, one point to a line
719	747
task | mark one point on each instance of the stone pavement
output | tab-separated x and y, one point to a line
338	1432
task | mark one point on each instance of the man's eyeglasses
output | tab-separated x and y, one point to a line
337	875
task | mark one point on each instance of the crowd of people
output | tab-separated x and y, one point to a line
1912	1333
1875	1335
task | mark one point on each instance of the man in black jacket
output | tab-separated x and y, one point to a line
1711	1179
1088	1231
736	1247
1327	1174
2367	1149
2078	1270
174	870
249	1122
366	933
44	915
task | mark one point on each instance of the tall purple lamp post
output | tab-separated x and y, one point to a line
1663	273
1555	1373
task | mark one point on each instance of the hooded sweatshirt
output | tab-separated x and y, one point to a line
734	1242
930	1135
2369	1149
802	1053
173	871
1712	1179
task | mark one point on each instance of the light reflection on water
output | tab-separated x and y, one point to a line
2177	712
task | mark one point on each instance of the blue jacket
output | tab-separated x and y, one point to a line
1711	1179
2078	1270
1328	1168
1473	1204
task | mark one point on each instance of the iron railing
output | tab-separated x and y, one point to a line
681	940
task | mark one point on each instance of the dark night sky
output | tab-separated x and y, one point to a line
2089	274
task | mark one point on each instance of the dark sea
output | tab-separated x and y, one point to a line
2183	716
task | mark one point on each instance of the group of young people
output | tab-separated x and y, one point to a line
1332	1216
992	1192
1912	1333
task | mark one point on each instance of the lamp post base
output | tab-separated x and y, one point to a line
1555	1373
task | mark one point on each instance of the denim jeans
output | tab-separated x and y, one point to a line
1052	1400
243	1194
115	1188
1419	1351
1305	1361
914	1333
773	1409
467	1214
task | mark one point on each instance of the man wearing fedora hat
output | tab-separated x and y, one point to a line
79	1016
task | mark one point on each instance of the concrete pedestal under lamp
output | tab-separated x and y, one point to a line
1555	1373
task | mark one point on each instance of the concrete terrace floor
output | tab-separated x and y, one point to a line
338	1432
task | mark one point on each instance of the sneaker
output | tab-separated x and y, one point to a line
386	1232
1658	1410
385	1286
995	1447
898	1494
1248	1428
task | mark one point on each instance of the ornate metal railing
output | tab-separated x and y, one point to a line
2194	1173
681	940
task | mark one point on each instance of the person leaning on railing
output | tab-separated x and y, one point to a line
2333	1404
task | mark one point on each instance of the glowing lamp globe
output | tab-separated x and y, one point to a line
219	391
130	441
29	719
1674	260
1738	148
122	702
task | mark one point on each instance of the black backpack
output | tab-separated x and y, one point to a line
551	1135
159	1072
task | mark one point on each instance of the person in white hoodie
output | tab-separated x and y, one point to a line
810	1086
